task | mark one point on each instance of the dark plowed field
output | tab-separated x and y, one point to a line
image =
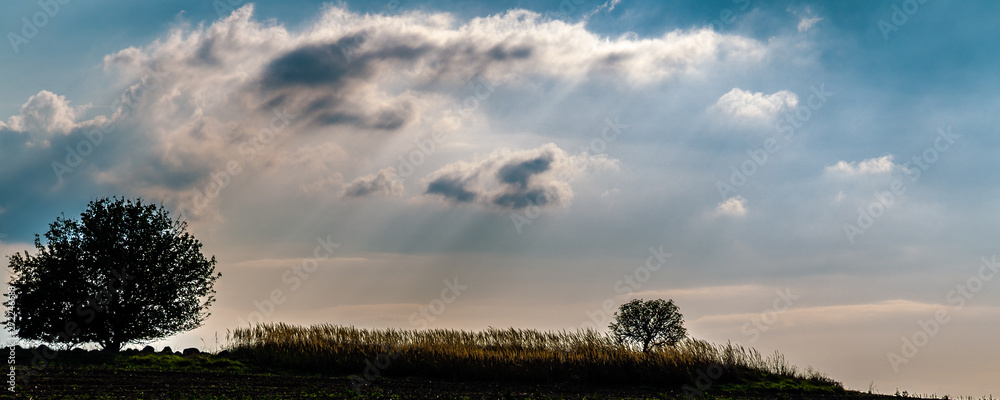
72	382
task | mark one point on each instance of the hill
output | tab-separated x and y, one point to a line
337	362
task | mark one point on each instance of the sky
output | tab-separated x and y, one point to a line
816	178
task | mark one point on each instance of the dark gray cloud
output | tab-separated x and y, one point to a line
11	140
507	180
501	52
518	173
320	64
205	54
452	189
392	118
334	64
325	112
323	76
522	198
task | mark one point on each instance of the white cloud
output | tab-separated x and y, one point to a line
608	6
756	105
807	22
871	166
733	207
358	81
807	19
43	115
384	182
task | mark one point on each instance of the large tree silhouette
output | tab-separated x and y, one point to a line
649	324
125	272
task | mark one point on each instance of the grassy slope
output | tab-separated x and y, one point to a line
158	375
512	355
326	361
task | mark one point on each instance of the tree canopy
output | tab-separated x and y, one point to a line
649	324
125	272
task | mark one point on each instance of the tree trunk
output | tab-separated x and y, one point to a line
112	346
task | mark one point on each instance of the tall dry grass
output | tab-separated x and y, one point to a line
517	354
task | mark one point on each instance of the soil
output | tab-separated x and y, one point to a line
101	382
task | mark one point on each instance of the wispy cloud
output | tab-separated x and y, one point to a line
807	18
735	206
743	104
384	182
871	166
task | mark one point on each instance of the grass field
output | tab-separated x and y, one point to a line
512	355
337	362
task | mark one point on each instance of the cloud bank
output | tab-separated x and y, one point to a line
208	103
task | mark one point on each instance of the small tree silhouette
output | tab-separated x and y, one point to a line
124	273
648	324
